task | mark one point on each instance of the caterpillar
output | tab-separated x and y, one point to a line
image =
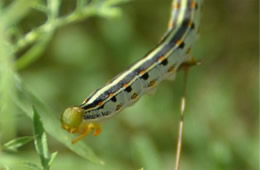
162	62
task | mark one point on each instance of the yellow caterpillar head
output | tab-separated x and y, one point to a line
71	119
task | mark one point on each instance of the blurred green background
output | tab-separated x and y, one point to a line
221	130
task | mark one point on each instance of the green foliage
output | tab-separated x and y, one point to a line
41	146
41	36
51	124
146	153
29	166
14	144
54	53
15	12
33	44
40	142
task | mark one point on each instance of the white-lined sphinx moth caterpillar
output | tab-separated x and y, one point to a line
162	62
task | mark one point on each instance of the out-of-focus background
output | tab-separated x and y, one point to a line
221	130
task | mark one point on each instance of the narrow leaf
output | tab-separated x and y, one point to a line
40	139
81	4
29	166
52	124
16	11
7	86
33	53
146	153
14	144
53	156
6	167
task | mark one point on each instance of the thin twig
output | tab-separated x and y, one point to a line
76	16
181	123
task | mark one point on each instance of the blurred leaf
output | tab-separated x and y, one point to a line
109	9
7	168
4	167
16	11
53	6
14	144
33	53
29	166
7	112
25	100
221	152
110	12
146	153
81	4
41	7
116	2
53	156
43	34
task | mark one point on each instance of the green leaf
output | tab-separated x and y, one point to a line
40	140
7	86
29	166
33	53
81	4
6	168
116	2
53	156
25	100
16	11
41	7
53	6
14	144
146	153
110	12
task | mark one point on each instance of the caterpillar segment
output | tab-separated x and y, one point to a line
172	53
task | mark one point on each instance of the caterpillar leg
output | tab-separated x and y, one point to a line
86	130
190	63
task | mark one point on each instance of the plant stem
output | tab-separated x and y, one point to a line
181	123
48	27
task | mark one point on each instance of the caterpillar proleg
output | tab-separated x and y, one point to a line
160	63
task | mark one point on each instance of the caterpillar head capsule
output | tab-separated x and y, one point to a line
71	119
73	122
